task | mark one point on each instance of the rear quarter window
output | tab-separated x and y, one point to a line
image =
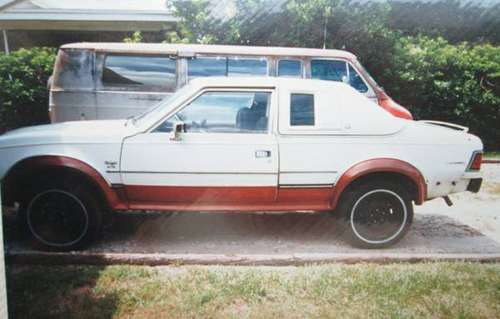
302	109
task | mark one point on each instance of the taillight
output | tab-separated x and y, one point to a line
475	162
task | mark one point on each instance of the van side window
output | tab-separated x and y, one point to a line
356	81
200	67
246	67
142	73
301	109
330	70
290	68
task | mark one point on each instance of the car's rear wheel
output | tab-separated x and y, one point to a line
61	217
376	214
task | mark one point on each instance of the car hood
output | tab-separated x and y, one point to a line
67	132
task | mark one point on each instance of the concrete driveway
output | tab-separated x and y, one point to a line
468	230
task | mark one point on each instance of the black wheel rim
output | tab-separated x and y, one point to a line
378	216
57	218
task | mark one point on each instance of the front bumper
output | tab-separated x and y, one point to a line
474	185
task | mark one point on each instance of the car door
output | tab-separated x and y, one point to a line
226	158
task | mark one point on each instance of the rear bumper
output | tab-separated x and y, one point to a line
475	185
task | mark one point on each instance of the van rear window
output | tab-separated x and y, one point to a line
142	73
74	70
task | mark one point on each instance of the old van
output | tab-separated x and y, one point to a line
118	80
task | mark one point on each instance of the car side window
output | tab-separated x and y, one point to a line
356	81
141	73
330	70
224	112
290	68
302	109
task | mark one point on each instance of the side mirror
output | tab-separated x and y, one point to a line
177	129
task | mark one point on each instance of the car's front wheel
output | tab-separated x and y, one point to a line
376	214
61	217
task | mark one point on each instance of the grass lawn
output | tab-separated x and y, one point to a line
437	290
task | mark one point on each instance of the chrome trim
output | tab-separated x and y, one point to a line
193	173
448	125
308	172
305	186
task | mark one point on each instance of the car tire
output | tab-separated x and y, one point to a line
61	216
375	215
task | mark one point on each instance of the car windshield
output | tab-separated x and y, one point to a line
153	111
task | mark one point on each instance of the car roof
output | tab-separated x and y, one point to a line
350	103
192	49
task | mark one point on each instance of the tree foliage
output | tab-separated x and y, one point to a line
457	83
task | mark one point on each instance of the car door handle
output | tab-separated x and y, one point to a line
262	153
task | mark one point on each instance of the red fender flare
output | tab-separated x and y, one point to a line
380	165
114	199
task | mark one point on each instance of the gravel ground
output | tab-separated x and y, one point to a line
471	226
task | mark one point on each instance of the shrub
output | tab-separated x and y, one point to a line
23	78
456	83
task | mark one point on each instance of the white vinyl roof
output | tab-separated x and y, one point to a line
87	15
193	49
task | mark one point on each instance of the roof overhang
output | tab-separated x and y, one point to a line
86	20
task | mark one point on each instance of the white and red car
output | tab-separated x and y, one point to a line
239	144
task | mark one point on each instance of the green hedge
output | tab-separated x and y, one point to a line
23	79
456	83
